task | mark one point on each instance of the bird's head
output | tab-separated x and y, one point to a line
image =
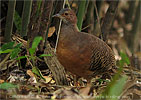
67	15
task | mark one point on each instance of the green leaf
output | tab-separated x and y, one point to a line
114	89
14	53
9	20
32	51
124	59
17	21
18	45
43	55
81	12
37	72
7	86
6	51
36	41
117	88
8	45
21	57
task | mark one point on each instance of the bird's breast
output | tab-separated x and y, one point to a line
73	55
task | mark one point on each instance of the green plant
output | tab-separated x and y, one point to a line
32	56
124	59
11	48
7	86
32	50
81	12
115	87
14	49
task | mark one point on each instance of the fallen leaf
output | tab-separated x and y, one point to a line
30	73
48	79
32	78
74	5
1	81
51	31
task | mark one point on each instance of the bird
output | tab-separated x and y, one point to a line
82	54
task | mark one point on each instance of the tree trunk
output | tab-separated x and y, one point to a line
108	19
54	65
45	20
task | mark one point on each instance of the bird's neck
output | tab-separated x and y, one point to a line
68	31
68	34
70	26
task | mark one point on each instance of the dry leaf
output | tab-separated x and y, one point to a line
30	73
74	5
32	76
1	81
49	79
51	31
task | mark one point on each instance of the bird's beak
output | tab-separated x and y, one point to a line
57	15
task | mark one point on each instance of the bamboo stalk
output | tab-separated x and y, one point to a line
9	20
135	32
87	24
131	11
26	16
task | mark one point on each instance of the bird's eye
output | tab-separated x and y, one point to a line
66	14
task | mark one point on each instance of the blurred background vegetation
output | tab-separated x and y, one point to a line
20	16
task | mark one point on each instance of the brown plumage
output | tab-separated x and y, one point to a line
81	53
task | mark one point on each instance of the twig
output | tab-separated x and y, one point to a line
13	62
6	58
29	61
59	86
39	59
86	27
128	85
58	33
